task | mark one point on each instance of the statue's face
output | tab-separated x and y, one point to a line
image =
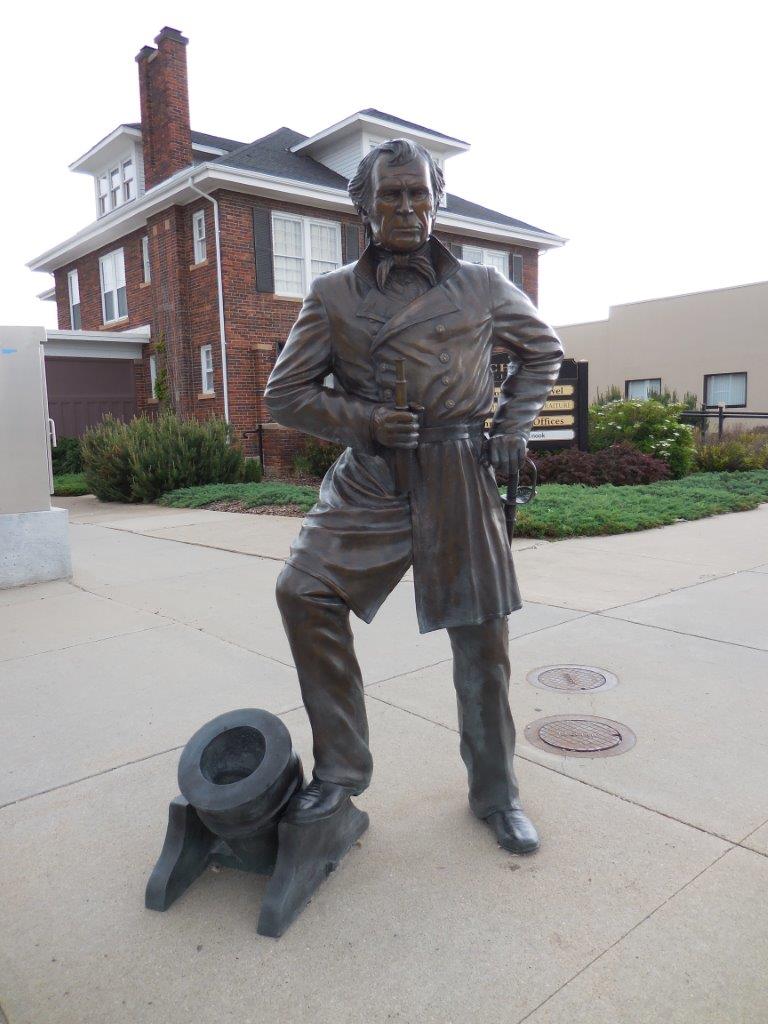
403	210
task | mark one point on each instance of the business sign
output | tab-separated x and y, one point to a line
562	422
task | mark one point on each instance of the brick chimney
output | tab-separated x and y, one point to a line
165	131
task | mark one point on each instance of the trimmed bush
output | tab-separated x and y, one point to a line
141	460
66	457
70	485
651	426
620	464
733	454
316	457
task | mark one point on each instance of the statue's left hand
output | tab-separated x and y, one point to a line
506	453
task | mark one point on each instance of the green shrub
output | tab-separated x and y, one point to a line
649	425
732	454
66	457
252	472
143	459
104	451
316	457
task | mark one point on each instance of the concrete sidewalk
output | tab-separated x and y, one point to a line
646	902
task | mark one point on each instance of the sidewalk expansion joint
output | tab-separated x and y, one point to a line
85	643
675	590
189	543
621	938
682	632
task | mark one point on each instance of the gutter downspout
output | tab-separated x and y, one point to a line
220	290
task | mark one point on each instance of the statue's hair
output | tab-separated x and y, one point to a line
396	152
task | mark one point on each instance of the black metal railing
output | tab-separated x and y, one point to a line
701	417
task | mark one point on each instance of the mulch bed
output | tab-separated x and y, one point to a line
256	510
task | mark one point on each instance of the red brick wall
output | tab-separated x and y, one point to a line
164	95
180	304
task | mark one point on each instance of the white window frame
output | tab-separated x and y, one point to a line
153	374
116	185
198	236
146	271
710	377
73	289
206	369
117	259
484	255
306	254
652	387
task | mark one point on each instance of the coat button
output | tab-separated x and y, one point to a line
449	403
445	357
387	393
440	328
445	380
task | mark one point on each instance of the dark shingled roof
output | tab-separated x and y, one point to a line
463	208
409	124
203	139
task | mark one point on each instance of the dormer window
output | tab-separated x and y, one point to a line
116	186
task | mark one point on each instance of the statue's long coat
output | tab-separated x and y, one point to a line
362	536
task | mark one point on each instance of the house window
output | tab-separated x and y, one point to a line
74	300
303	249
114	305
206	369
129	184
116	186
145	271
153	374
642	388
725	389
198	235
487	257
517	269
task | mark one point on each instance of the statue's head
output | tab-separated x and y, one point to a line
397	190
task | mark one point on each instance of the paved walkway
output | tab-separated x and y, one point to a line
646	903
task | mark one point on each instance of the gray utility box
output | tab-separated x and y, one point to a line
34	540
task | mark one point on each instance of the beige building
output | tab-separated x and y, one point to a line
713	344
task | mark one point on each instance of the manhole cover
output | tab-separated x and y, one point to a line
580	736
572	678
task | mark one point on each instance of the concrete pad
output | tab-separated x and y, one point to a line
36	592
758	840
761	568
581	574
698	709
427	921
102	555
667	970
733	609
59	622
717	545
75	712
266	536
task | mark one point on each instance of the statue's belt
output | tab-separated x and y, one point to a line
451	432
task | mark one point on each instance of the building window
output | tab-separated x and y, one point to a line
114	304
728	389
129	184
206	369
642	388
487	258
153	374
74	300
198	235
145	271
517	269
303	249
116	186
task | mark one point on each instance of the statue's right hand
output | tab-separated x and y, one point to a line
395	428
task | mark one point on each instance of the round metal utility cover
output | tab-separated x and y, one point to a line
580	736
572	678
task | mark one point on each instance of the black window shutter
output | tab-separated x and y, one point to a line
262	246
517	269
352	242
456	249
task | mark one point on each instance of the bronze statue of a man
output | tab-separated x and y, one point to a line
407	298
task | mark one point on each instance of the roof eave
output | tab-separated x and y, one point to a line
450	145
80	165
176	191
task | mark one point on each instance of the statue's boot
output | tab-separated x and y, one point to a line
319	800
514	831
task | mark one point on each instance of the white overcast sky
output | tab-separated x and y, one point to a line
636	130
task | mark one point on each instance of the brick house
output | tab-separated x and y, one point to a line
194	269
